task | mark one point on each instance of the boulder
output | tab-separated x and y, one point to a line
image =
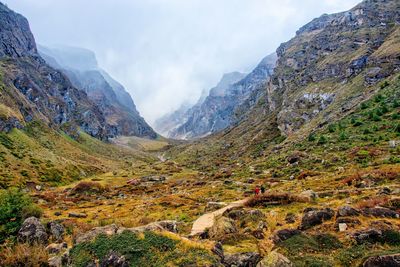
221	227
310	195
386	260
91	235
153	178
56	230
234	214
212	206
380	212
282	235
368	236
275	259
55	261
32	231
248	259
313	217
342	227
347	211
114	259
384	191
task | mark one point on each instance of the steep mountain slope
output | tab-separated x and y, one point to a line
31	90
80	65
221	108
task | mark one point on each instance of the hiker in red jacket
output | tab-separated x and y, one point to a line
257	190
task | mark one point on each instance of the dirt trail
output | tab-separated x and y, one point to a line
207	220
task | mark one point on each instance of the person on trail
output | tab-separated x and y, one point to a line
257	190
262	189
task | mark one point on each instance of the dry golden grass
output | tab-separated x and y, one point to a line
24	255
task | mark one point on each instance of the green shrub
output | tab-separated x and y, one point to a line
332	128
15	207
343	136
384	84
364	105
312	137
378	98
395	116
322	140
396	103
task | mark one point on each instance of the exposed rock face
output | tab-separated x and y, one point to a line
221	227
315	217
33	91
80	65
285	234
32	231
226	103
15	35
334	48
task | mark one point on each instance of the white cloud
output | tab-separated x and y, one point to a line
166	52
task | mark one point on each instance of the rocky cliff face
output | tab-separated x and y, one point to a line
80	65
221	108
31	90
321	66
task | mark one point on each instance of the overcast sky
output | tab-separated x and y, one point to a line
165	52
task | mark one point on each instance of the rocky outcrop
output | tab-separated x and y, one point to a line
56	230
80	65
32	231
380	212
285	234
347	211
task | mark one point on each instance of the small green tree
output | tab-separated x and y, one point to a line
322	140
311	137
15	207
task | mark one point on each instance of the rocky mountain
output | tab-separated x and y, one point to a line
33	91
80	65
221	108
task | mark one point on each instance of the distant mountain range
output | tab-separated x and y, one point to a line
220	109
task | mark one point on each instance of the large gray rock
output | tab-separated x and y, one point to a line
368	236
381	212
32	231
285	234
347	211
56	230
313	217
248	259
222	226
383	261
275	259
92	234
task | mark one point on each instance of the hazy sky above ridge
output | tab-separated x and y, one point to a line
165	52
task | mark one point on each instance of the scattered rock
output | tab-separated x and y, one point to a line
315	217
234	214
77	215
55	248
248	259
387	260
290	218
113	259
349	222
212	206
57	213
368	236
55	261
347	211
56	230
275	259
171	226
309	194
342	227
32	231
380	212
393	143
221	227
282	235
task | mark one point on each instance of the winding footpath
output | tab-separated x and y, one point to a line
207	220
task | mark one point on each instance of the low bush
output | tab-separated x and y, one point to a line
15	207
275	199
24	255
